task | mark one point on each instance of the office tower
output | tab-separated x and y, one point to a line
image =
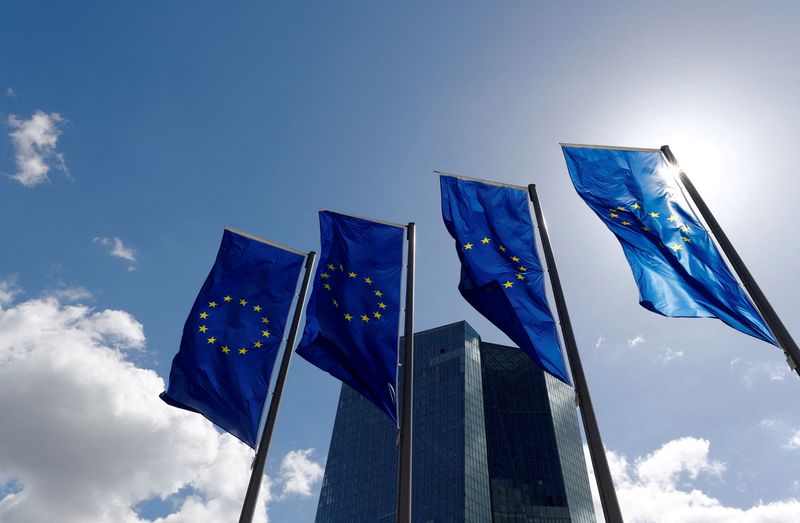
496	439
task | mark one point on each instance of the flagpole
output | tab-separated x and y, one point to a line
602	473
785	339
249	507
407	403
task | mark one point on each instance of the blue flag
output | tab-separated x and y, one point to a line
501	275
678	269
353	315
231	338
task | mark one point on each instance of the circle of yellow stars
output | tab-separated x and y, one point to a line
641	218
516	262
219	344
365	317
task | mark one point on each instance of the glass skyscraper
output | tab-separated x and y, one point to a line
496	439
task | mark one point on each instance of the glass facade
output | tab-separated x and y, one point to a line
495	439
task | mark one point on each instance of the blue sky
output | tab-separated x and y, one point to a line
181	118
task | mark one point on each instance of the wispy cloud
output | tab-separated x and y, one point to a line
118	249
10	92
599	342
753	372
669	355
8	290
794	441
636	340
35	143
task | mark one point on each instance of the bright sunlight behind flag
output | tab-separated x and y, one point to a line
353	314
678	269
501	275
231	338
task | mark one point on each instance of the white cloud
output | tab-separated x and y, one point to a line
119	250
599	342
86	438
8	291
670	355
636	340
658	488
34	143
10	92
69	293
753	372
299	474
794	442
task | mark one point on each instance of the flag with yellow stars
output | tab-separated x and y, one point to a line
353	315
679	271
501	275
233	333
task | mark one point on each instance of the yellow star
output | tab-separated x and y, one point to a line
257	345
225	349
203	328
348	317
227	298
623	209
508	284
204	315
242	302
523	269
325	275
352	275
614	215
382	305
676	247
335	303
365	318
636	206
212	304
368	280
265	334
684	228
686	239
377	315
264	319
654	215
242	351
212	339
626	223
378	294
468	246
503	249
327	286
485	240
514	259
645	229
332	266
520	277
257	308
672	218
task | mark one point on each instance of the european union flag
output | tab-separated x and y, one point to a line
353	315
678	269
501	275
231	338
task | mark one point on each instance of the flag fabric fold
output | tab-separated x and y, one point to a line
501	275
352	320
676	265
232	335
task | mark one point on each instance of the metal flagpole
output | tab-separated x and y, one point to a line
608	496
249	507
785	339
406	431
